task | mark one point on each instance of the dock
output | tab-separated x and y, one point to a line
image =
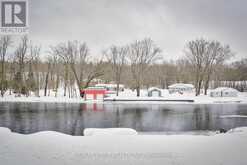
146	99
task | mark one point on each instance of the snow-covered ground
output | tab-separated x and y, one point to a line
50	98
127	94
202	99
60	149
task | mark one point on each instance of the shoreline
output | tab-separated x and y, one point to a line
130	100
75	101
165	133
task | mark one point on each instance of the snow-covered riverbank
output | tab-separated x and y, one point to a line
130	95
48	99
202	99
57	149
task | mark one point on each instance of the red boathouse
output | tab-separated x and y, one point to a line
94	93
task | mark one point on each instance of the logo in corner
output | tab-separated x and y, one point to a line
14	17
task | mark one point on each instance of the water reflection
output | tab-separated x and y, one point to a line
73	118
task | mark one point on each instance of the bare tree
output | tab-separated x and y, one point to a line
217	54
238	72
21	57
204	56
117	58
47	74
61	51
170	72
5	42
76	56
195	54
70	65
141	55
34	61
56	68
94	71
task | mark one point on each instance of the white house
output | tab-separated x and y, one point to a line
180	87
154	92
224	92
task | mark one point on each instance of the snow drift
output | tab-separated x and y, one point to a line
109	131
57	149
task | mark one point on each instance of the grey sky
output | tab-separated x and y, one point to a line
170	23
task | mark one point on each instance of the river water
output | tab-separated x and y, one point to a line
72	119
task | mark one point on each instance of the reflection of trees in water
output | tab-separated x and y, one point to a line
21	117
207	117
77	125
117	123
232	122
138	118
177	117
133	117
15	117
241	110
33	117
99	116
73	118
4	115
201	117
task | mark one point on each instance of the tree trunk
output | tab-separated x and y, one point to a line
199	88
66	77
76	77
46	83
197	83
118	82
117	88
38	84
138	91
206	86
57	84
3	77
47	79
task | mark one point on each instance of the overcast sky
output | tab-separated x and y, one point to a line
170	23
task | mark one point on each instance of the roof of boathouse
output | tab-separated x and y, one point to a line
181	85
153	89
224	89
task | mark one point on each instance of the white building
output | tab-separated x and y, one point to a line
154	92
180	87
224	92
111	87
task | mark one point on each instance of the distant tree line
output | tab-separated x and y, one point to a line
140	64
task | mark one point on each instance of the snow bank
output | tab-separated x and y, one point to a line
242	130
109	131
56	149
4	131
129	94
45	99
233	116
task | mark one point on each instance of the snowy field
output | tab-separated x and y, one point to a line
50	98
127	94
60	149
